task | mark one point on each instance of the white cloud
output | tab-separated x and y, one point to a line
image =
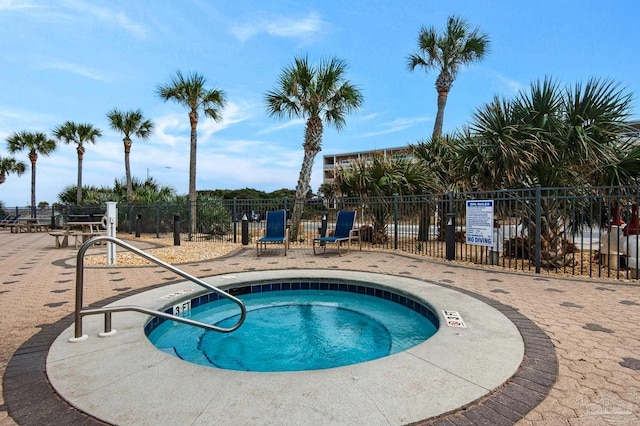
367	117
18	4
73	68
395	126
290	123
505	83
285	27
109	16
232	114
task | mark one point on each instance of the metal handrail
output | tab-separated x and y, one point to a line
79	312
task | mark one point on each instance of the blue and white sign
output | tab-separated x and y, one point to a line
479	228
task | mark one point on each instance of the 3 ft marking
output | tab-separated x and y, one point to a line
182	309
454	319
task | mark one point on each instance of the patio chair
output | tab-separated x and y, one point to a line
343	232
276	231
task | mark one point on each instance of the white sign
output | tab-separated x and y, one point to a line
479	228
454	319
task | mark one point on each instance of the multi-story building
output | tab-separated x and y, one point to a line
332	162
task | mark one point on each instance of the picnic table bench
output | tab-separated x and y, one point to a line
62	237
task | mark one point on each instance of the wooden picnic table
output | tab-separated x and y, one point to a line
28	224
81	231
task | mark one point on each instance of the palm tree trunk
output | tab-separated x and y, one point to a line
301	193
442	103
127	168
79	189
33	157
313	140
193	120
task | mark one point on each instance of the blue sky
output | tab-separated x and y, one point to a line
77	59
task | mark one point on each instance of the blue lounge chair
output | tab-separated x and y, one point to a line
343	232
276	231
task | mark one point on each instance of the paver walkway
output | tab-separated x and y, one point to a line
594	325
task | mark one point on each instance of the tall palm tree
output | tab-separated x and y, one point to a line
10	165
70	132
319	94
190	92
36	143
129	123
458	45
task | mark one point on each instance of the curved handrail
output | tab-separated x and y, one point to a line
79	312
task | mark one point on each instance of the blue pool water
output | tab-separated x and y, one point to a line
296	330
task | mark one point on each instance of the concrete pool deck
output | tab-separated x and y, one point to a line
123	377
592	325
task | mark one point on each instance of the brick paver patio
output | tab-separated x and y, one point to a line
592	324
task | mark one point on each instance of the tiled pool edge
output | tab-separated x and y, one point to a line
30	400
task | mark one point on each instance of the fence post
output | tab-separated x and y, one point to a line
53	217
395	221
176	229
130	218
234	219
157	220
191	208
538	226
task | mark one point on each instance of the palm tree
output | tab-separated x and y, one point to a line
10	165
447	52
190	92
36	143
554	136
318	94
129	123
70	132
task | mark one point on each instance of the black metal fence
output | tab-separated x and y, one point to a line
589	231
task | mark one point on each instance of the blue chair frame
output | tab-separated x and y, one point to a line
276	231
343	232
